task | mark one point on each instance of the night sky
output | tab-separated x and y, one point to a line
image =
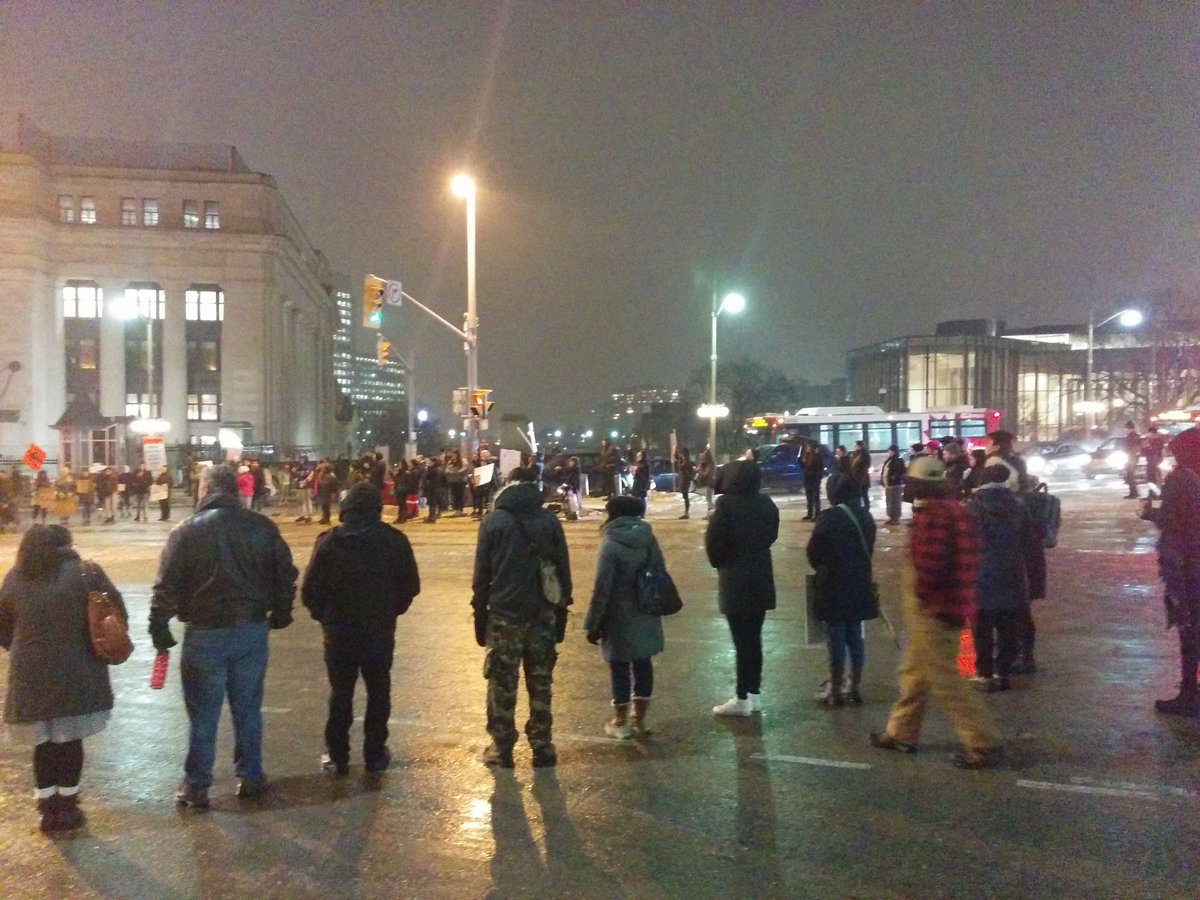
858	171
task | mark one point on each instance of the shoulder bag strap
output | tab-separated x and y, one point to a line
857	527
537	552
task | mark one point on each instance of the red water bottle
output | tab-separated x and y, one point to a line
158	677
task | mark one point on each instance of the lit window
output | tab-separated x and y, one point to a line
212	214
150	299
191	214
137	406
204	304
87	210
82	354
149	212
82	300
129	211
66	208
203	408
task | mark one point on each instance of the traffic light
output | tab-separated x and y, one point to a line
383	350
480	404
373	293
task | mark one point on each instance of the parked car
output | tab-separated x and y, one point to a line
780	466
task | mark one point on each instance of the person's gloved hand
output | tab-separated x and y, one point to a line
481	622
280	618
162	638
594	637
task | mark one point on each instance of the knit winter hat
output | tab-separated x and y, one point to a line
1186	449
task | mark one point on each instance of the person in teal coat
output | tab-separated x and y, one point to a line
628	639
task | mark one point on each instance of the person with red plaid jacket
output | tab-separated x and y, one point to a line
939	590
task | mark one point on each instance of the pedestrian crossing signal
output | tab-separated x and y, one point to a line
374	290
480	404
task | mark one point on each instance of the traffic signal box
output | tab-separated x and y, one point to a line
383	350
480	404
373	293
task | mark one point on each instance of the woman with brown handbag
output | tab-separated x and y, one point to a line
58	691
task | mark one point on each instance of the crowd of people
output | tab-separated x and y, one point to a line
974	558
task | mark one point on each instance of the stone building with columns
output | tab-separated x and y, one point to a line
156	281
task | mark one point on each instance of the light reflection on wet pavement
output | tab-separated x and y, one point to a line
1097	796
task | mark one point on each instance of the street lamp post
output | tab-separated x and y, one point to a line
464	186
733	303
1130	318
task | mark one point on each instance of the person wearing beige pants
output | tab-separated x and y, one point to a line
929	668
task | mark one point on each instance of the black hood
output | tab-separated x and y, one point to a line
841	488
362	503
742	476
519	498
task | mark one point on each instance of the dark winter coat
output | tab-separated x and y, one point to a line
507	580
627	634
1179	538
738	542
224	566
1007	536
361	576
43	622
641	480
836	552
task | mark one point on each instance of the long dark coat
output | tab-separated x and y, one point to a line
43	623
842	562
627	634
738	542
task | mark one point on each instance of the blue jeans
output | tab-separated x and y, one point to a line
217	662
845	636
641	684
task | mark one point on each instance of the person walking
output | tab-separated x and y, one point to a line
628	638
1008	540
744	525
360	625
938	581
228	575
58	692
687	473
891	479
1179	564
515	620
839	550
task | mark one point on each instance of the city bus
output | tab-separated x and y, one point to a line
1171	422
843	425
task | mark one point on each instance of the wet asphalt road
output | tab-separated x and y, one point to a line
1097	798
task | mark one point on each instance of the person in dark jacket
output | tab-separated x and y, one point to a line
227	573
891	479
513	618
433	484
839	551
641	476
813	464
1179	564
860	471
1008	538
686	471
744	525
360	624
628	638
139	491
58	692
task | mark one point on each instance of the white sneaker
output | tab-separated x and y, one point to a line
755	702
733	707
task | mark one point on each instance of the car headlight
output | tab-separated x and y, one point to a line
1117	459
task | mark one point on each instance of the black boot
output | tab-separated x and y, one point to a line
49	808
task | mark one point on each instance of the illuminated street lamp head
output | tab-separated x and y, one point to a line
733	303
422	416
462	185
1130	318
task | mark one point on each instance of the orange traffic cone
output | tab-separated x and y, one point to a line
966	653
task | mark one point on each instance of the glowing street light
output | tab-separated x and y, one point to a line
1127	318
733	303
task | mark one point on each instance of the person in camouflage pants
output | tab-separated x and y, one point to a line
509	644
513	618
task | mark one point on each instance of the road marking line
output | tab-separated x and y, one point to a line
810	761
1159	789
593	739
277	709
1086	789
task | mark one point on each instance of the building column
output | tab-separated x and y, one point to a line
173	404
112	353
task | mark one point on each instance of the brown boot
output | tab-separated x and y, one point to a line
49	808
70	815
619	726
637	717
852	693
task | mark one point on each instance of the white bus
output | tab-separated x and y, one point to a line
832	426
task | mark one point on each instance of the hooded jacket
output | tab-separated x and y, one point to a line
361	576
835	550
507	581
224	566
738	542
626	547
1008	539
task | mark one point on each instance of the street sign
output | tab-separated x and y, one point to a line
154	452
393	294
34	457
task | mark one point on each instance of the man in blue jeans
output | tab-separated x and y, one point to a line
228	575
